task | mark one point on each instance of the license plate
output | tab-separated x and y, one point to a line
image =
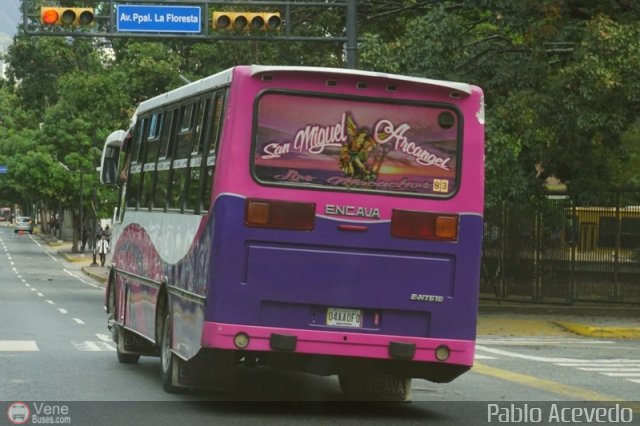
340	317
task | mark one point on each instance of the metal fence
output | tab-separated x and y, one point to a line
564	250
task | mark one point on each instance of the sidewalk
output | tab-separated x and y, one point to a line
84	260
494	319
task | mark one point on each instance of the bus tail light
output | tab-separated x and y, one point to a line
424	225
280	215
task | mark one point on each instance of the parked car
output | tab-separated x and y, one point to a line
23	223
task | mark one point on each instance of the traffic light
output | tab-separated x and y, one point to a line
66	15
246	21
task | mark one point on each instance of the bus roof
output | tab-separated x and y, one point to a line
224	77
462	87
219	79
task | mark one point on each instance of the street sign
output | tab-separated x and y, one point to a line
159	19
3	169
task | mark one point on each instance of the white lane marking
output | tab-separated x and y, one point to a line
621	368
104	337
611	369
93	346
622	374
558	361
80	279
62	311
79	321
51	302
478	356
40	294
602	363
541	341
18	346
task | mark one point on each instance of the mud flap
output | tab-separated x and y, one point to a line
375	387
209	370
131	343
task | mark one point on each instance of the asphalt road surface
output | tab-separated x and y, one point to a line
58	362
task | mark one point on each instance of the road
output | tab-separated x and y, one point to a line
54	346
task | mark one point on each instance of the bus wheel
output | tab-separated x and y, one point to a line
375	387
168	361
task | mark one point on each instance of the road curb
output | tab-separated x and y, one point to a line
95	275
599	331
74	258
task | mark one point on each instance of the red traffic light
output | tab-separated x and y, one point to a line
66	16
49	15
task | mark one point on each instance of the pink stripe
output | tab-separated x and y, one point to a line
217	335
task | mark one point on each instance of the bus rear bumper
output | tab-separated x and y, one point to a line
334	343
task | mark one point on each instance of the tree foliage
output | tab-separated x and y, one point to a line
560	78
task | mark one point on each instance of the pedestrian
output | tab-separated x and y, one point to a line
85	236
107	233
98	233
103	248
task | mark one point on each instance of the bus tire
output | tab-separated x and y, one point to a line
375	387
168	362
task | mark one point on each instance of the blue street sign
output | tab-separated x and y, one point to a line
3	169
159	19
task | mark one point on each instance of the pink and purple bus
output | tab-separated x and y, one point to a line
315	219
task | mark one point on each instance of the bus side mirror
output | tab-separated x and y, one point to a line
111	158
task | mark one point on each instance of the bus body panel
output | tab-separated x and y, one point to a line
279	277
224	278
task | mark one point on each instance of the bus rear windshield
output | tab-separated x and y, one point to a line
356	144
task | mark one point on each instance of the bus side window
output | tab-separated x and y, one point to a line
149	169
195	164
165	153
133	186
184	143
147	185
153	137
186	133
178	181
162	184
134	179
212	135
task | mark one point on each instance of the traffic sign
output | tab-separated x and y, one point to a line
3	169
159	19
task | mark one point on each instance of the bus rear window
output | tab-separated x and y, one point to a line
356	145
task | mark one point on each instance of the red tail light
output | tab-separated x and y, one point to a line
280	215
424	225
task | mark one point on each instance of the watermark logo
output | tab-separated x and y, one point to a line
18	413
555	413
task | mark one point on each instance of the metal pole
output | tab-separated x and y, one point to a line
92	236
81	218
352	34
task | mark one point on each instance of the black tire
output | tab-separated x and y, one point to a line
167	359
